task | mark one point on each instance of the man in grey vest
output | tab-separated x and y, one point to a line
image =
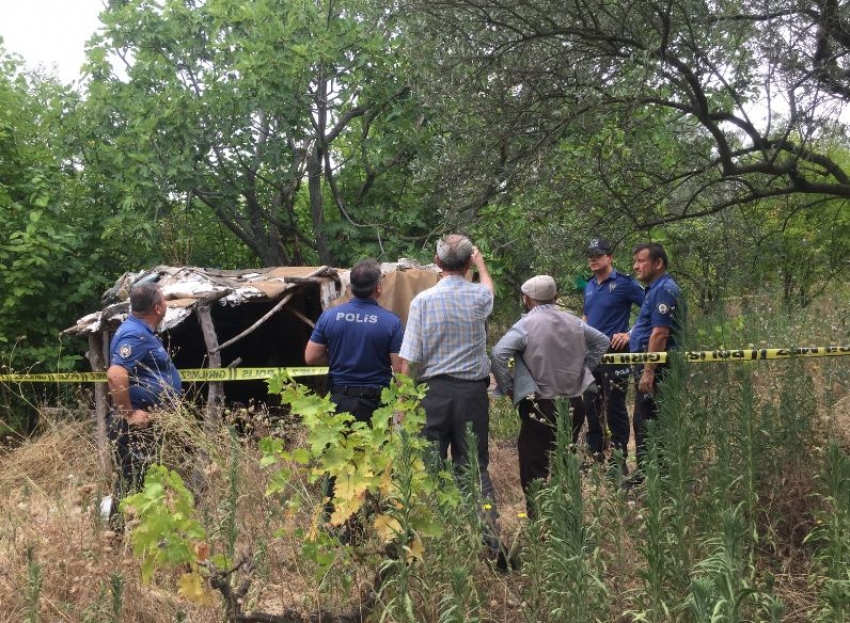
554	353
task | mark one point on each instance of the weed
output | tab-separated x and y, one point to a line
571	569
833	537
34	585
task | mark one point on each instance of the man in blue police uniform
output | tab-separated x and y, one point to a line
654	331
142	379
608	300
359	341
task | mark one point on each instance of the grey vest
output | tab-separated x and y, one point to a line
555	354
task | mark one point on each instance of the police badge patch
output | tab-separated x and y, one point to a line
662	308
125	350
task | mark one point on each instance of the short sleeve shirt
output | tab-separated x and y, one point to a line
608	305
661	308
359	336
446	332
152	375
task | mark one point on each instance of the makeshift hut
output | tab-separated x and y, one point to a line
238	318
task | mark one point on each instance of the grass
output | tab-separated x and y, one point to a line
747	520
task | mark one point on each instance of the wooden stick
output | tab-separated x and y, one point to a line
215	392
301	316
270	313
256	325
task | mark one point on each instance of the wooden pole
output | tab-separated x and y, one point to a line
97	360
215	396
257	324
215	392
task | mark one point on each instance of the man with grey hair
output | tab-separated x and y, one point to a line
142	379
556	352
445	346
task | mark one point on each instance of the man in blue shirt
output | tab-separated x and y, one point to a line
142	379
608	300
359	341
654	331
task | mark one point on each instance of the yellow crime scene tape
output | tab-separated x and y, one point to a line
743	354
258	374
190	375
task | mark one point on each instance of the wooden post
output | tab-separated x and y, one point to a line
215	393
97	360
215	396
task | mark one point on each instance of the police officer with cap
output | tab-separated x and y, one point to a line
608	300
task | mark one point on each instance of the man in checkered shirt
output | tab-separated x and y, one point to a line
445	347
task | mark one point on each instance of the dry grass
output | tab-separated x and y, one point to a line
52	491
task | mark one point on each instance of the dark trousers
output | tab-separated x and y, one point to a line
134	450
608	406
450	406
536	441
362	408
646	410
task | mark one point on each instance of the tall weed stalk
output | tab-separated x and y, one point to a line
833	537
116	591
455	562
675	432
723	588
34	584
572	568
231	525
397	591
654	547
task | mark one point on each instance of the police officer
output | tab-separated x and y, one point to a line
360	342
655	330
608	300
142	379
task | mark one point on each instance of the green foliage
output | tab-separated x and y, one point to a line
289	122
366	459
570	571
722	587
35	581
166	534
50	251
832	537
116	591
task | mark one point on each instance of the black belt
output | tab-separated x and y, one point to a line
357	392
449	377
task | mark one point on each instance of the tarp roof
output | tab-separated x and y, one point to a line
184	287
